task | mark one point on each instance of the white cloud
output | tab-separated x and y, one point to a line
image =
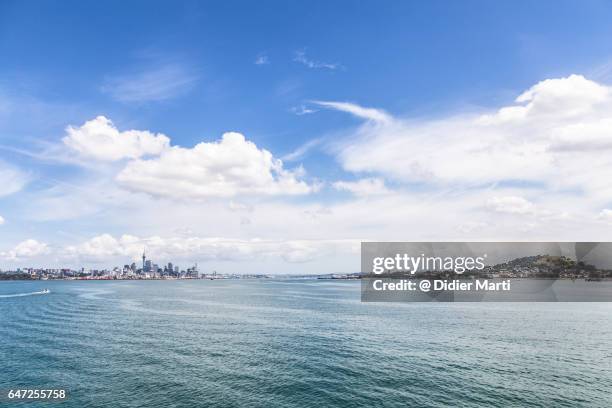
106	246
2	221
27	249
555	136
12	179
312	230
302	150
224	168
554	99
300	56
376	115
510	205
363	187
101	140
581	136
151	85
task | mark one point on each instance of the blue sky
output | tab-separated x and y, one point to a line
195	70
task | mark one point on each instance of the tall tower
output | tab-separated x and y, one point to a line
144	257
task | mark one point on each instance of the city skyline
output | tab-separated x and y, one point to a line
147	270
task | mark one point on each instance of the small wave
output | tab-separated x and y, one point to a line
42	292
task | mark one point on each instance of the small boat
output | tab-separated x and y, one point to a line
45	291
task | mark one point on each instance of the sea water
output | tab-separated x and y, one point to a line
296	343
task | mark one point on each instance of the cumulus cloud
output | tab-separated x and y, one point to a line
24	250
224	168
560	98
363	187
104	247
510	205
556	135
2	220
99	139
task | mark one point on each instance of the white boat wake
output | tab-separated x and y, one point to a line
42	292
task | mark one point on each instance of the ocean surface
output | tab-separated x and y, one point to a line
296	343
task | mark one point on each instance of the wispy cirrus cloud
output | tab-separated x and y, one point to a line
302	150
151	84
302	110
375	115
12	179
300	56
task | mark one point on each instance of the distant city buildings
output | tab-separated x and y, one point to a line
148	270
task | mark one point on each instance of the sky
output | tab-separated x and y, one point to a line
274	137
